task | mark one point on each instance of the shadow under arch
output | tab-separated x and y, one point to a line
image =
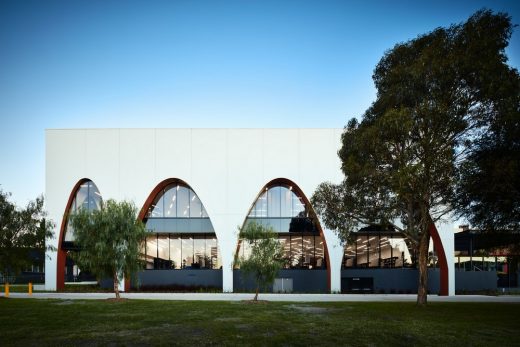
308	208
62	251
177	218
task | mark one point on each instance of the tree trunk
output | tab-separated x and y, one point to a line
116	285
422	288
256	294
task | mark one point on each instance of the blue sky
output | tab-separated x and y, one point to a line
98	64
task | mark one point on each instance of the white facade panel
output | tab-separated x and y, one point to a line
227	168
136	165
172	154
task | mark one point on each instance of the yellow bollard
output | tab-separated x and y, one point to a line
6	286
30	288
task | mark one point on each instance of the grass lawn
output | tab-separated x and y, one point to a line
142	322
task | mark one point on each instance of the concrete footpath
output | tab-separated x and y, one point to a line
270	297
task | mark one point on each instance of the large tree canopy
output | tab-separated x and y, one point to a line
109	240
488	193
436	95
21	231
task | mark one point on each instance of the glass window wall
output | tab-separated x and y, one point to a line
183	202
280	208
273	202
86	197
174	251
301	251
382	250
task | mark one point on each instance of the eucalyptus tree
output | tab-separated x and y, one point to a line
436	94
488	193
266	257
21	231
109	240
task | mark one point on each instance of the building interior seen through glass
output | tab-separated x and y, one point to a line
376	249
182	251
281	208
87	197
184	237
475	251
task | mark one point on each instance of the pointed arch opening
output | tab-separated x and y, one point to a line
84	195
182	238
383	260
283	206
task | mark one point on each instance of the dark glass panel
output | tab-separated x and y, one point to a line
361	258
308	252
400	251
195	206
88	197
187	251
170	202
201	259
183	202
285	202
298	207
260	208
94	197
163	253
175	251
212	251
388	259
296	251
320	252
286	244
151	251
373	242
82	196
273	202
157	208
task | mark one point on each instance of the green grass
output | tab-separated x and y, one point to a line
141	322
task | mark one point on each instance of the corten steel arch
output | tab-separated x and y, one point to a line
153	195
443	261
299	192
148	202
62	254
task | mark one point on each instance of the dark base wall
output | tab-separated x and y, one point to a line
303	281
179	279
315	281
24	278
388	281
475	280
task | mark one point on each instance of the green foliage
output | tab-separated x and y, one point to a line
437	94
488	193
109	240
21	231
266	257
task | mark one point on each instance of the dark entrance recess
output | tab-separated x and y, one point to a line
357	285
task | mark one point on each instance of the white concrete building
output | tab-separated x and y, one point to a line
227	170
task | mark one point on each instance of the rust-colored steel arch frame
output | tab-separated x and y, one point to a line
62	254
153	195
287	182
443	261
158	188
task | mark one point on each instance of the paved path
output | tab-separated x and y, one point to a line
270	297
